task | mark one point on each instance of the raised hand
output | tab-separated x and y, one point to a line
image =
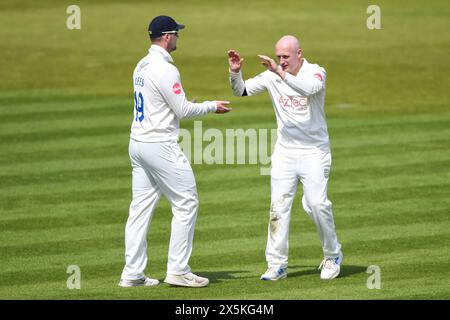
269	63
234	60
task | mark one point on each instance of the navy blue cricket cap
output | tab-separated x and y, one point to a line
162	24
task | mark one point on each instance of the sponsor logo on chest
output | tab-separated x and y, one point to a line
297	103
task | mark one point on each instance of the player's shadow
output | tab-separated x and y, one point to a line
219	276
346	270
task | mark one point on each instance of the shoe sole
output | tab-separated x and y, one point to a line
127	285
130	286
333	277
184	284
271	279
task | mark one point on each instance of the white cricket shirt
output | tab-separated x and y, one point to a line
159	99
298	102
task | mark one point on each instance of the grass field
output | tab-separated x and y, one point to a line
66	107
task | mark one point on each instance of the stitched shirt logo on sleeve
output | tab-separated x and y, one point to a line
319	76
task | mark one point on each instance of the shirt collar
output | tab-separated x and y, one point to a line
161	51
304	66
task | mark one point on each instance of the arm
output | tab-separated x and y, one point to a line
240	88
236	81
307	85
173	93
237	84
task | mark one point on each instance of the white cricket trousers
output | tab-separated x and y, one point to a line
312	170
160	169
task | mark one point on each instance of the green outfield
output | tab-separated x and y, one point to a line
65	112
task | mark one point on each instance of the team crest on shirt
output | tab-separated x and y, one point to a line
176	88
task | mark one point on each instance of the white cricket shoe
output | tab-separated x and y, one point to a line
274	273
186	280
146	282
331	267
